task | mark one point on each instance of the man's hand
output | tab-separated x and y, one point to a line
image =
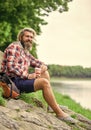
32	76
43	68
38	72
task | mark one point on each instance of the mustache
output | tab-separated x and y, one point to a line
28	41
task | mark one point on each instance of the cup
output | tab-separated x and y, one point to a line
38	71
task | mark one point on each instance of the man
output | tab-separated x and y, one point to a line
16	63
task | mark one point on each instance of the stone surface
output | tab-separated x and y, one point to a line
18	115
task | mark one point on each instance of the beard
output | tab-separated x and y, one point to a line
27	45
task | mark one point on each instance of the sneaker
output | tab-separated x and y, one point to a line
68	119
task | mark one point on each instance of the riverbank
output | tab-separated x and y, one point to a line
56	79
63	100
71	104
68	85
33	115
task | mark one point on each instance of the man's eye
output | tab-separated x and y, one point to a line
29	36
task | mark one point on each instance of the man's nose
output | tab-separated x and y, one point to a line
29	39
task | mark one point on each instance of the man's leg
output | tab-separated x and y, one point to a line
44	85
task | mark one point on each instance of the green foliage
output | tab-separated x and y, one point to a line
5	34
2	100
69	71
17	14
54	70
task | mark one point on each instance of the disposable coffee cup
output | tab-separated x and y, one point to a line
38	70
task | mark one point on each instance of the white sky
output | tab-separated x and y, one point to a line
66	40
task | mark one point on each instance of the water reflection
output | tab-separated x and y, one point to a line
80	91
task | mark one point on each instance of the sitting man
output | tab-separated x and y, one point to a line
16	63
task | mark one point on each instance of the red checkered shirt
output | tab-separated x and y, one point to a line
16	61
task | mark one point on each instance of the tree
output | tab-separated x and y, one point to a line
16	14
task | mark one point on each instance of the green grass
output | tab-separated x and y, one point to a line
30	96
2	100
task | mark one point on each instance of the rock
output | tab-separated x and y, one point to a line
18	115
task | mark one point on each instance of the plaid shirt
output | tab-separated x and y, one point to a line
16	61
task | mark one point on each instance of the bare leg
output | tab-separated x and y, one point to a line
44	85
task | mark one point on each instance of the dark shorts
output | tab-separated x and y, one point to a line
24	85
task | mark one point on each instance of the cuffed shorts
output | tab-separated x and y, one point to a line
24	85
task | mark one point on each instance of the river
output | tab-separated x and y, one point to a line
79	90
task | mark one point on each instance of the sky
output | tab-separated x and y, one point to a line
66	39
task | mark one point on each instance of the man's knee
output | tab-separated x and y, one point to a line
41	83
45	82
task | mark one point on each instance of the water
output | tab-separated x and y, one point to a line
78	90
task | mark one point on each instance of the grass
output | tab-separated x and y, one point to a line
30	96
2	100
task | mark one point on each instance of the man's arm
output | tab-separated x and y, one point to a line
36	63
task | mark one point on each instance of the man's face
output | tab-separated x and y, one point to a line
27	39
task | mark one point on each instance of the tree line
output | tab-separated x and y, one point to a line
69	71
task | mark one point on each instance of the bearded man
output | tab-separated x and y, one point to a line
16	63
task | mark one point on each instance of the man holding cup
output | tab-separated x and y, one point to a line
17	60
